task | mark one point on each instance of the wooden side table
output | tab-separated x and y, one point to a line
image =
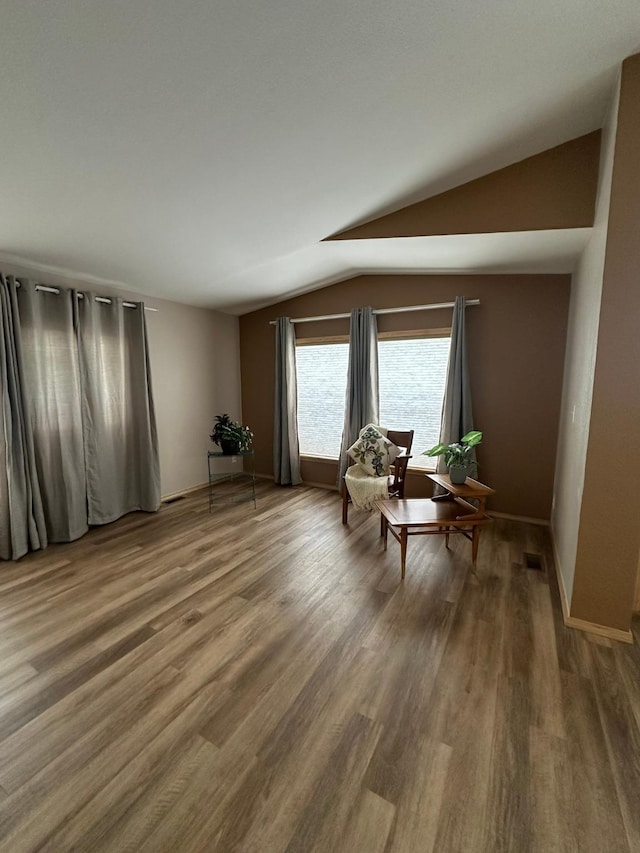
447	513
470	489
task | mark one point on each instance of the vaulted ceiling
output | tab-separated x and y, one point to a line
204	151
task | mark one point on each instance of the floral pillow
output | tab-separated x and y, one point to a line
373	451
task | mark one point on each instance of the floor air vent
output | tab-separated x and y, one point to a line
532	561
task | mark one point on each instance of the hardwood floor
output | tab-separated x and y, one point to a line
261	680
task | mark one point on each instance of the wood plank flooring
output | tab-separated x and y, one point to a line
261	681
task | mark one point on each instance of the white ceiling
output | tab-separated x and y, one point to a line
200	151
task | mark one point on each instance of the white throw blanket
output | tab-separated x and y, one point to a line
365	489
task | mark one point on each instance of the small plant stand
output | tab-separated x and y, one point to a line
231	476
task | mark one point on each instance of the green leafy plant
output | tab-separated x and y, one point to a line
230	435
457	455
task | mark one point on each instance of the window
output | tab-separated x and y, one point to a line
322	385
412	375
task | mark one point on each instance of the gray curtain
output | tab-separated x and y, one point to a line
457	416
120	438
362	398
51	387
286	450
22	522
77	425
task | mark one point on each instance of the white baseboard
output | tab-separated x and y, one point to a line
564	599
184	492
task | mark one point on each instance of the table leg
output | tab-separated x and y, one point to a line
210	484
403	549
475	540
446	537
384	529
253	481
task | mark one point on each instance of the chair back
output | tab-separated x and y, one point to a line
403	439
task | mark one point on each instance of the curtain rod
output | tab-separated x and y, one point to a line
47	289
431	307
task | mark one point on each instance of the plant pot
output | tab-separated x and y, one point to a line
231	448
457	475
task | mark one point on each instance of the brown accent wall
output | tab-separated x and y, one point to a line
609	533
554	189
516	341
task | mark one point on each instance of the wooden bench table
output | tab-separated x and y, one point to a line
425	516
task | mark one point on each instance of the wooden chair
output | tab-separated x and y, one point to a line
404	440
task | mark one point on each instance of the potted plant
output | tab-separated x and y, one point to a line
457	456
230	435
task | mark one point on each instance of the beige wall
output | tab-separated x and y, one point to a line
609	533
580	359
195	366
516	340
195	359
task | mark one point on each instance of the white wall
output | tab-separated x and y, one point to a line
195	368
580	358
